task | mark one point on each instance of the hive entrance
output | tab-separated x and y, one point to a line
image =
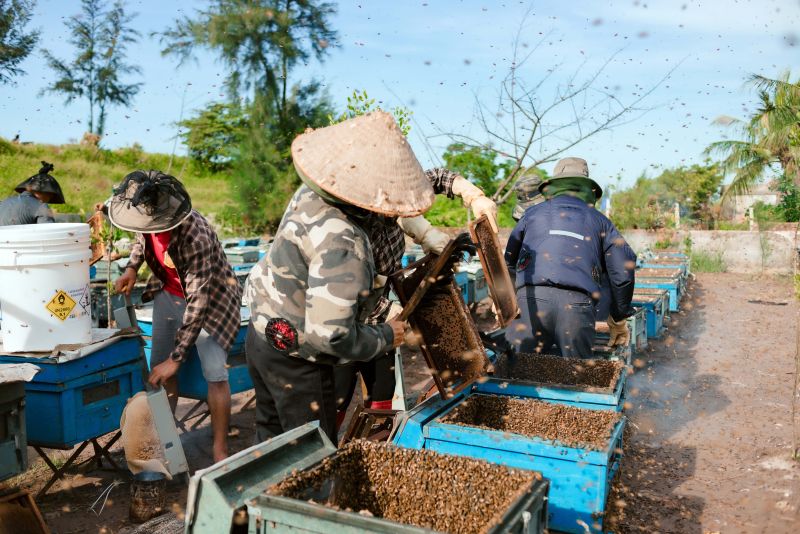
415	487
571	426
592	374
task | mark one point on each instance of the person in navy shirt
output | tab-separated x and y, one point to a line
558	254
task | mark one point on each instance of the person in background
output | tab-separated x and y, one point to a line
528	194
318	298
558	253
31	205
196	297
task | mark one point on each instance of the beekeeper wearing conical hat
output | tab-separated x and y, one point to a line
31	205
319	297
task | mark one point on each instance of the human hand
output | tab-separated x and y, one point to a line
485	206
124	284
619	333
163	372
399	330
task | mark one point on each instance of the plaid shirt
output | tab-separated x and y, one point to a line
388	243
213	295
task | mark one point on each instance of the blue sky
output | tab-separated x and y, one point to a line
439	56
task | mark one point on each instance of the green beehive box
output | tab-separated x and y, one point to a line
236	486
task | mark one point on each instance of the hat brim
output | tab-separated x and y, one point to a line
366	162
598	191
133	219
52	188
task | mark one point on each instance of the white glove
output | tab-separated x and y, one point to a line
423	233
474	199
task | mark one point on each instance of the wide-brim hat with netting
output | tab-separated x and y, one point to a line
572	168
365	161
149	202
43	183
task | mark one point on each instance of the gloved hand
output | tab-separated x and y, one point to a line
475	199
619	333
424	233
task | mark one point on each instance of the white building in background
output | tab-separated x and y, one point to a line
736	207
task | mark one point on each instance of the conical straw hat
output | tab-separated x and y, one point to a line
365	161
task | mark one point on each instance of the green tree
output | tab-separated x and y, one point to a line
477	164
262	171
649	202
770	137
15	42
260	42
214	134
101	38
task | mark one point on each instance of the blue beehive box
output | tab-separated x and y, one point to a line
191	383
582	397
653	307
670	285
580	479
462	281
72	401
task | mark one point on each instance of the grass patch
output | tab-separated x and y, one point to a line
708	262
87	174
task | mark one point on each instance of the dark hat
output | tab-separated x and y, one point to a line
43	183
149	202
572	168
527	193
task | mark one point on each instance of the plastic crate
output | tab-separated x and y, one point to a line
13	438
81	399
579	479
217	492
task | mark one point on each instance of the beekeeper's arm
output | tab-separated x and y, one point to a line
452	184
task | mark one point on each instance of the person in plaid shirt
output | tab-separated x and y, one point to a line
196	297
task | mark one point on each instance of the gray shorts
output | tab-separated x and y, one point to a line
167	319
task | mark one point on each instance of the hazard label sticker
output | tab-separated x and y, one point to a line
61	305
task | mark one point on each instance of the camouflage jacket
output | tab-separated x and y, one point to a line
24	209
310	295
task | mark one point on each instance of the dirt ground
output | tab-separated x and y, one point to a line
711	426
711	416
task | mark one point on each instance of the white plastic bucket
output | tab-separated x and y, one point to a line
44	286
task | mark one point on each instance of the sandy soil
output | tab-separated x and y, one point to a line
711	413
710	407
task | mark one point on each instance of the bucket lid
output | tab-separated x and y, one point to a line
23	233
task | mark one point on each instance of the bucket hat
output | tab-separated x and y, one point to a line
149	202
365	161
43	183
572	168
527	193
